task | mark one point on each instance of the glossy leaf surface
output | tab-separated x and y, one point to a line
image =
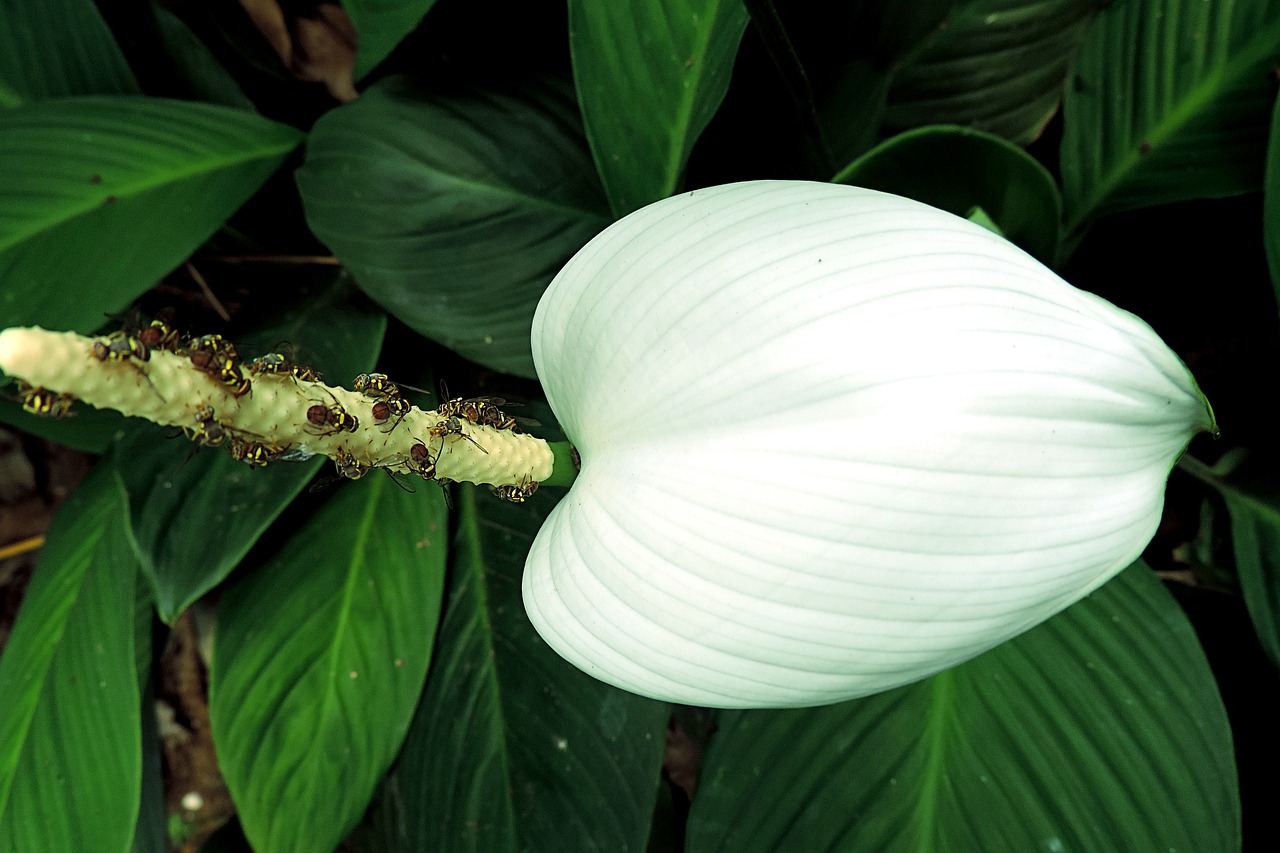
56	48
512	748
196	512
1102	729
381	24
70	754
957	169
319	661
650	75
1271	202
87	176
994	65
455	212
1170	100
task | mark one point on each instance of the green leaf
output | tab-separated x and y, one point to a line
55	48
1251	490
1170	101
200	76
1101	729
650	75
512	748
70	754
1271	202
381	24
995	65
86	429
104	195
194	514
454	213
957	169
319	660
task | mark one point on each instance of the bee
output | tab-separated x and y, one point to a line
207	430
229	374
516	493
483	411
420	461
452	426
273	363
334	419
348	466
379	386
208	352
255	453
120	346
42	401
391	407
305	374
158	334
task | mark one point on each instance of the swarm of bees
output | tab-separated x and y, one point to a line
219	359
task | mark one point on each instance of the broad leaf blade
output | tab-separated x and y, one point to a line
56	48
1170	100
650	75
455	212
195	513
104	195
1101	729
957	169
1271	202
319	661
995	65
381	24
512	748
70	754
1250	489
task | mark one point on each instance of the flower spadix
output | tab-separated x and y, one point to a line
833	441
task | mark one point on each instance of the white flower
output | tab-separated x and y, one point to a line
833	441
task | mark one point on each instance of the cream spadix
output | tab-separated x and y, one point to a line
833	441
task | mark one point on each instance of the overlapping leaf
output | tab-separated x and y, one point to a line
55	48
1271	202
512	748
957	169
195	513
650	75
69	723
381	24
1101	729
455	212
996	65
103	195
1170	100
319	661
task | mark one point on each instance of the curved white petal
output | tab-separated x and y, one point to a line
833	441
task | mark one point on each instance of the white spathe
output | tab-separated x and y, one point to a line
833	441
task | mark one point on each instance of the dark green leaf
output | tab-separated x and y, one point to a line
70	755
103	195
381	24
320	658
1170	100
957	169
195	513
1271	202
1102	729
512	748
55	48
650	75
1252	494
201	76
87	429
455	212
995	65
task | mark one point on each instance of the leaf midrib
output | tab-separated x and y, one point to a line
134	189
1218	81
